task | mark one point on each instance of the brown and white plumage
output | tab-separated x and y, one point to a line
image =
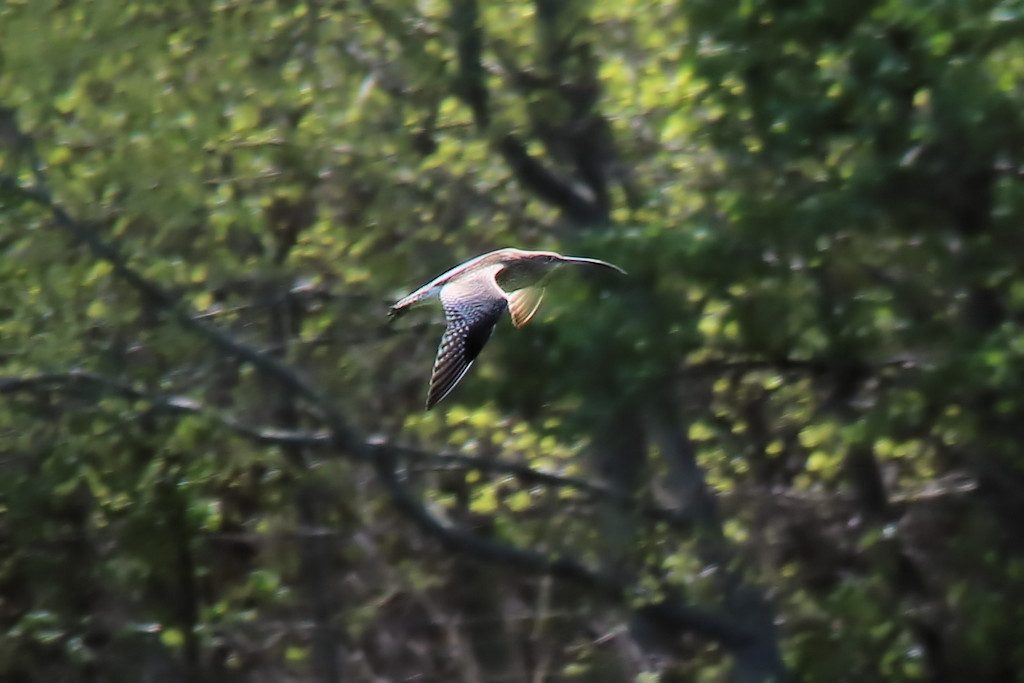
474	295
472	306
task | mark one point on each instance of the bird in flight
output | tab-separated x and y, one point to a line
474	295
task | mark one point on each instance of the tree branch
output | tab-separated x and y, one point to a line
322	439
575	199
666	612
343	435
579	202
678	519
179	405
386	456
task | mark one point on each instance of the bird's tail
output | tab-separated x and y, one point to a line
404	304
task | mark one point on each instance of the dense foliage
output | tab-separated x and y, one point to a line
786	446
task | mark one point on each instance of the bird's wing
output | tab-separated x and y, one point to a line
472	305
523	303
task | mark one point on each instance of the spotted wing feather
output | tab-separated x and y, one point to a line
472	307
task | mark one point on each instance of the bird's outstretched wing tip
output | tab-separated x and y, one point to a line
446	376
434	396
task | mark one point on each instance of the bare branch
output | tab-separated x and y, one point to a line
386	456
809	366
179	405
578	201
667	612
83	233
676	518
322	439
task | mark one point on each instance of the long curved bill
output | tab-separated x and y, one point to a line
593	262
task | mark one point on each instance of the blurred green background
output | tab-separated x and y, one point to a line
787	447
